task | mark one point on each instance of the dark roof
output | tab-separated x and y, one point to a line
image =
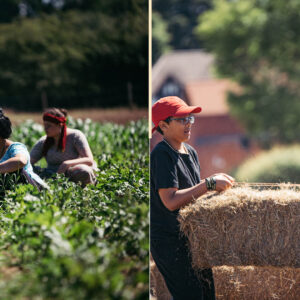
184	66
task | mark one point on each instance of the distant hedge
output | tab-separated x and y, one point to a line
280	164
75	59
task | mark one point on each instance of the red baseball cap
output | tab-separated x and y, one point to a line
171	106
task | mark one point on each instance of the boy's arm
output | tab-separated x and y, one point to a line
174	199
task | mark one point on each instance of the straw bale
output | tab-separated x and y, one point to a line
256	283
244	227
158	288
243	283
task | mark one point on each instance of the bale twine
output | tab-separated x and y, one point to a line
243	227
243	283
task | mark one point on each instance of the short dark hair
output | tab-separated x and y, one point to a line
167	120
5	126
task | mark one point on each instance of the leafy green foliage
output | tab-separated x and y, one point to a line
74	243
10	9
160	37
281	164
181	18
76	57
256	44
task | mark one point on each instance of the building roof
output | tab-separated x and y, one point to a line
183	65
211	95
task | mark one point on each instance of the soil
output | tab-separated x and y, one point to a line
116	115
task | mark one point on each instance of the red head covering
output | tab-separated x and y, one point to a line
171	106
63	137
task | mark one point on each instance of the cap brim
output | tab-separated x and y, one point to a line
185	110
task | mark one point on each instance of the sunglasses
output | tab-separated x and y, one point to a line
185	121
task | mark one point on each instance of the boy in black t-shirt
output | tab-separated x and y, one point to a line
175	182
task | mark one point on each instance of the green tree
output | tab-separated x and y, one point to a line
73	53
8	10
280	164
256	44
181	17
160	37
11	9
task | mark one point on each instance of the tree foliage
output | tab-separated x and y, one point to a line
92	54
10	9
280	164
181	17
256	43
160	37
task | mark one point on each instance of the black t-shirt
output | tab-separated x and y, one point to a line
169	169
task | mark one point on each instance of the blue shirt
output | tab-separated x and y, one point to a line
19	148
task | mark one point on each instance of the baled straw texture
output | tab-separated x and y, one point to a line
243	283
256	283
243	227
158	287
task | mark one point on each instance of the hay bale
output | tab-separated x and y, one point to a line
256	283
247	283
158	288
243	227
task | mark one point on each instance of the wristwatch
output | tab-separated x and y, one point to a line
211	183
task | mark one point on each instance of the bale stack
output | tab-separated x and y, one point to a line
158	288
256	283
244	227
247	283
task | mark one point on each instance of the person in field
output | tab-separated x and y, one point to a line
66	150
15	159
175	182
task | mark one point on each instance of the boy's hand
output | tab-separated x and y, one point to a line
223	182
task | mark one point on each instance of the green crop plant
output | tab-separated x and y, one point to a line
81	243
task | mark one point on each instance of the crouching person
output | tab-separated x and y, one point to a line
15	159
66	150
175	182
